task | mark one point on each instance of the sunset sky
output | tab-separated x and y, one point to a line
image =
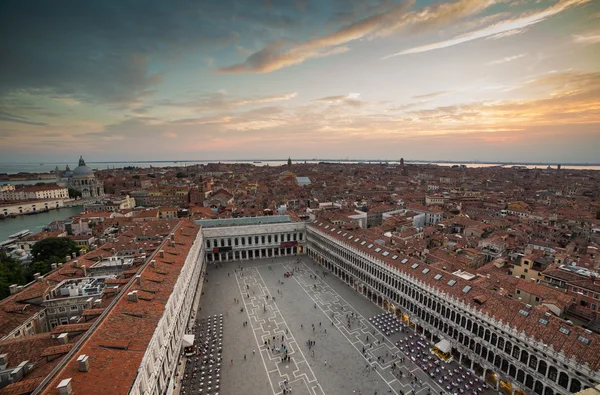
507	80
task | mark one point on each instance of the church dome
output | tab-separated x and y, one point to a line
82	170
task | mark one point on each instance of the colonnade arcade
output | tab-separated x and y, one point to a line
254	246
512	365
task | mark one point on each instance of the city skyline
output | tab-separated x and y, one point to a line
464	80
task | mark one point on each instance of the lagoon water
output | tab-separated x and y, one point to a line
35	223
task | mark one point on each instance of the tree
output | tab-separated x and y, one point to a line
74	193
51	250
180	175
11	272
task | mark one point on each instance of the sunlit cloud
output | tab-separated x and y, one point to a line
587	38
506	59
497	30
284	53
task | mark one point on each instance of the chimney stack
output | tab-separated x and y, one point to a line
67	258
3	361
75	263
81	252
153	263
13	289
83	363
138	278
38	277
172	236
132	296
74	255
64	387
161	253
53	266
63	338
84	270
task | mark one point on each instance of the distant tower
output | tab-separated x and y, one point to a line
558	167
403	168
290	164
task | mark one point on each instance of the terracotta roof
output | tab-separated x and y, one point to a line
22	387
57	350
116	347
71	328
501	308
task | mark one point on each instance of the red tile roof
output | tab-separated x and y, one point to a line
501	308
117	345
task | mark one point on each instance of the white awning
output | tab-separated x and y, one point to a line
444	346
188	340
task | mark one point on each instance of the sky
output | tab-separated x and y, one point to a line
487	80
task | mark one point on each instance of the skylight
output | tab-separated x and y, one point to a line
467	289
363	243
415	265
543	321
357	239
377	249
370	246
524	312
584	340
395	257
339	231
564	330
344	235
451	283
386	253
326	226
333	229
350	237
437	276
425	271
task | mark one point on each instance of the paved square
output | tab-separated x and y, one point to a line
288	312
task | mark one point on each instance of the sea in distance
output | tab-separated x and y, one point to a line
13	168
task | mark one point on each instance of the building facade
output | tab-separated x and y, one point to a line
498	350
82	179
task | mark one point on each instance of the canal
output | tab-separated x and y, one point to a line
35	223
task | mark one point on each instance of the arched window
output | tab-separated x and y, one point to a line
552	373
524	356
575	386
542	367
563	380
515	352
520	376
508	347
533	361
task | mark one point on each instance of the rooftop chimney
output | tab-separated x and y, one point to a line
53	266
38	277
76	263
67	258
172	236
13	289
74	255
64	387
81	252
63	338
153	263
84	270
3	361
161	253
132	296
139	279
83	363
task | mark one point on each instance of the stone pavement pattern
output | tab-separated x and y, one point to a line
292	315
